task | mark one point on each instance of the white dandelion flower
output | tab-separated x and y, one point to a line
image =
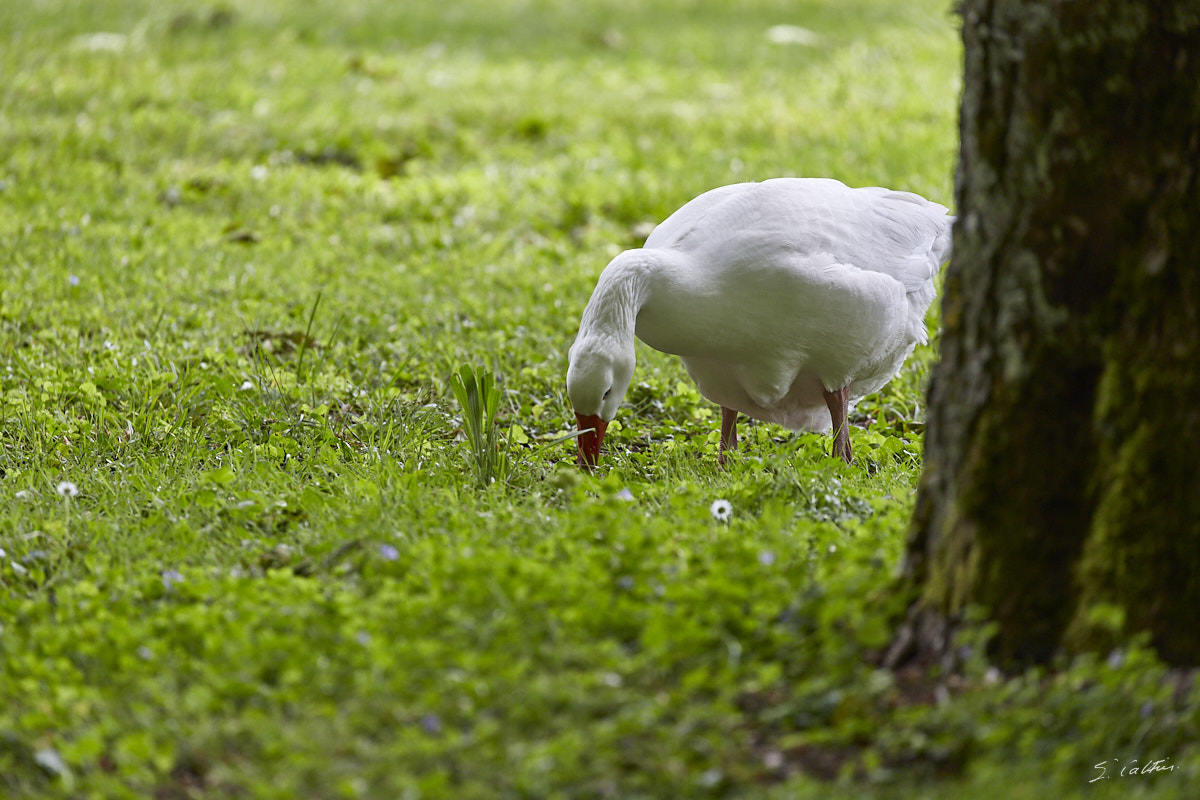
721	510
67	489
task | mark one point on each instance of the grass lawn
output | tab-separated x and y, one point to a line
245	551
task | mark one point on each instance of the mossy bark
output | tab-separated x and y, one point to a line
1062	465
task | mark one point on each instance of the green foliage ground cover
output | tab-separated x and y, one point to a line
244	551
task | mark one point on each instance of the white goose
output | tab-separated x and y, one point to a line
787	301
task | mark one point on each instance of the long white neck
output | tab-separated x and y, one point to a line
620	293
603	357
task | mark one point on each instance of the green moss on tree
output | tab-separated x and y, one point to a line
1063	451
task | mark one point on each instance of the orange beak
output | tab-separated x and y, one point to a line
591	434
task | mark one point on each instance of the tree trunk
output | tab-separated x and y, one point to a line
1062	457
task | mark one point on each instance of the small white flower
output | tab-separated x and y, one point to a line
721	510
247	386
625	494
73	280
766	558
67	489
49	760
22	495
258	172
792	34
171	577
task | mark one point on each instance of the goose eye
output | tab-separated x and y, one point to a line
606	394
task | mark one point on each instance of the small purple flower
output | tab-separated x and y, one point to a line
432	724
388	553
171	577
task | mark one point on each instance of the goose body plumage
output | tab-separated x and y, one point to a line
775	295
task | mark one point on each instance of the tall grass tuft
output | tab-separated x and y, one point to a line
479	398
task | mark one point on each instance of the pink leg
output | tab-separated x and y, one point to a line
728	433
839	408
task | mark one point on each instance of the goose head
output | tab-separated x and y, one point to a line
597	378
